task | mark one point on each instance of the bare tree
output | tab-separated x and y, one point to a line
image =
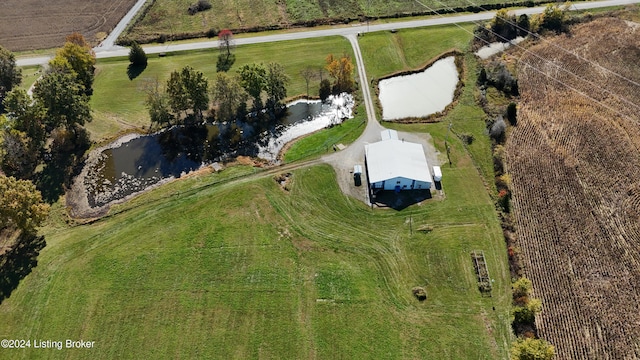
309	73
226	42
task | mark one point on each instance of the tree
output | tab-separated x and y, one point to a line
19	159
21	204
225	42
76	56
276	81
527	314
341	70
137	56
10	74
504	25
325	89
523	25
188	90
229	96
553	17
512	114
158	104
62	97
309	73
26	116
253	79
532	349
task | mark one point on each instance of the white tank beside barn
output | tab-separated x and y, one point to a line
394	164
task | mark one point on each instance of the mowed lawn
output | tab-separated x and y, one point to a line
249	270
118	102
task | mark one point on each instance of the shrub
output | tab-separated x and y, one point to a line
201	5
467	138
512	114
497	131
527	314
524	349
420	293
521	287
211	33
482	77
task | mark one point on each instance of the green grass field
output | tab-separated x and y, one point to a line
118	102
228	266
248	270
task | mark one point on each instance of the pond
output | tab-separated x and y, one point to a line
420	94
135	162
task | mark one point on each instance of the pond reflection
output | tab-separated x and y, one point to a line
134	163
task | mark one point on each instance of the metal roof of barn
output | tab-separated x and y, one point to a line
393	158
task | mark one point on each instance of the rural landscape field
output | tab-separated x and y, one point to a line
171	18
37	24
574	161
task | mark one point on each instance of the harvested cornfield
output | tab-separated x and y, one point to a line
40	24
575	163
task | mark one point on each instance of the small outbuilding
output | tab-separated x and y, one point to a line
394	164
437	173
357	175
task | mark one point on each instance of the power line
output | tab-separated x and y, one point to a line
537	36
540	71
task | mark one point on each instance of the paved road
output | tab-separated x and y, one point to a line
110	41
107	50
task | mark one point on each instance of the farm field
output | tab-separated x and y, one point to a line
574	164
40	24
248	270
170	17
118	102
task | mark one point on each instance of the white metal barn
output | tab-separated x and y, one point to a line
394	164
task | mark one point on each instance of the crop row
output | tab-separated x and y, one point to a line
575	166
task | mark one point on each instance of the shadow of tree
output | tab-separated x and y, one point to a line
133	71
225	62
63	163
18	262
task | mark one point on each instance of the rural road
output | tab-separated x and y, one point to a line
107	50
110	42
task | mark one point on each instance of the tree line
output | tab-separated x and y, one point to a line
254	93
45	131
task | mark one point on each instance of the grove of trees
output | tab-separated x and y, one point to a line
58	110
341	70
186	95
